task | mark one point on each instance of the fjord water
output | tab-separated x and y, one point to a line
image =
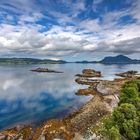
29	97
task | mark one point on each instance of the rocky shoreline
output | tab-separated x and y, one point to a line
77	125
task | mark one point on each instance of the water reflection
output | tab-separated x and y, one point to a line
28	97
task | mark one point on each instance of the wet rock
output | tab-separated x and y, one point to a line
103	89
17	133
86	81
89	73
54	129
86	92
109	87
49	131
128	74
45	70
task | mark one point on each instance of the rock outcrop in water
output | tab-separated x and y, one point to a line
87	91
89	73
86	81
128	74
85	77
45	70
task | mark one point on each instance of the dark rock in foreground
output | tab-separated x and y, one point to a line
45	70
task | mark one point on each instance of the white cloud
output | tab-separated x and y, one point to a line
95	4
89	35
97	1
31	18
11	83
61	41
91	25
19	6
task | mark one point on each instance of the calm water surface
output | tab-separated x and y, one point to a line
30	97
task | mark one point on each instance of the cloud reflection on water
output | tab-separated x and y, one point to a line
29	97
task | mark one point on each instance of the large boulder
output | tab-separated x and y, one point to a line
89	73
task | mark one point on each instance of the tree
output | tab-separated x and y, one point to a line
131	93
125	117
114	133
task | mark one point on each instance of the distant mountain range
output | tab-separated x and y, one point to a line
119	59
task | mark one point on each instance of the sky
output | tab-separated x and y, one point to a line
69	29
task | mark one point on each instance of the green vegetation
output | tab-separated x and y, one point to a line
124	122
29	61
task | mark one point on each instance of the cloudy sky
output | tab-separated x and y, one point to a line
69	29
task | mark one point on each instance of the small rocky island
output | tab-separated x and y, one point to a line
128	74
89	73
45	70
86	77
